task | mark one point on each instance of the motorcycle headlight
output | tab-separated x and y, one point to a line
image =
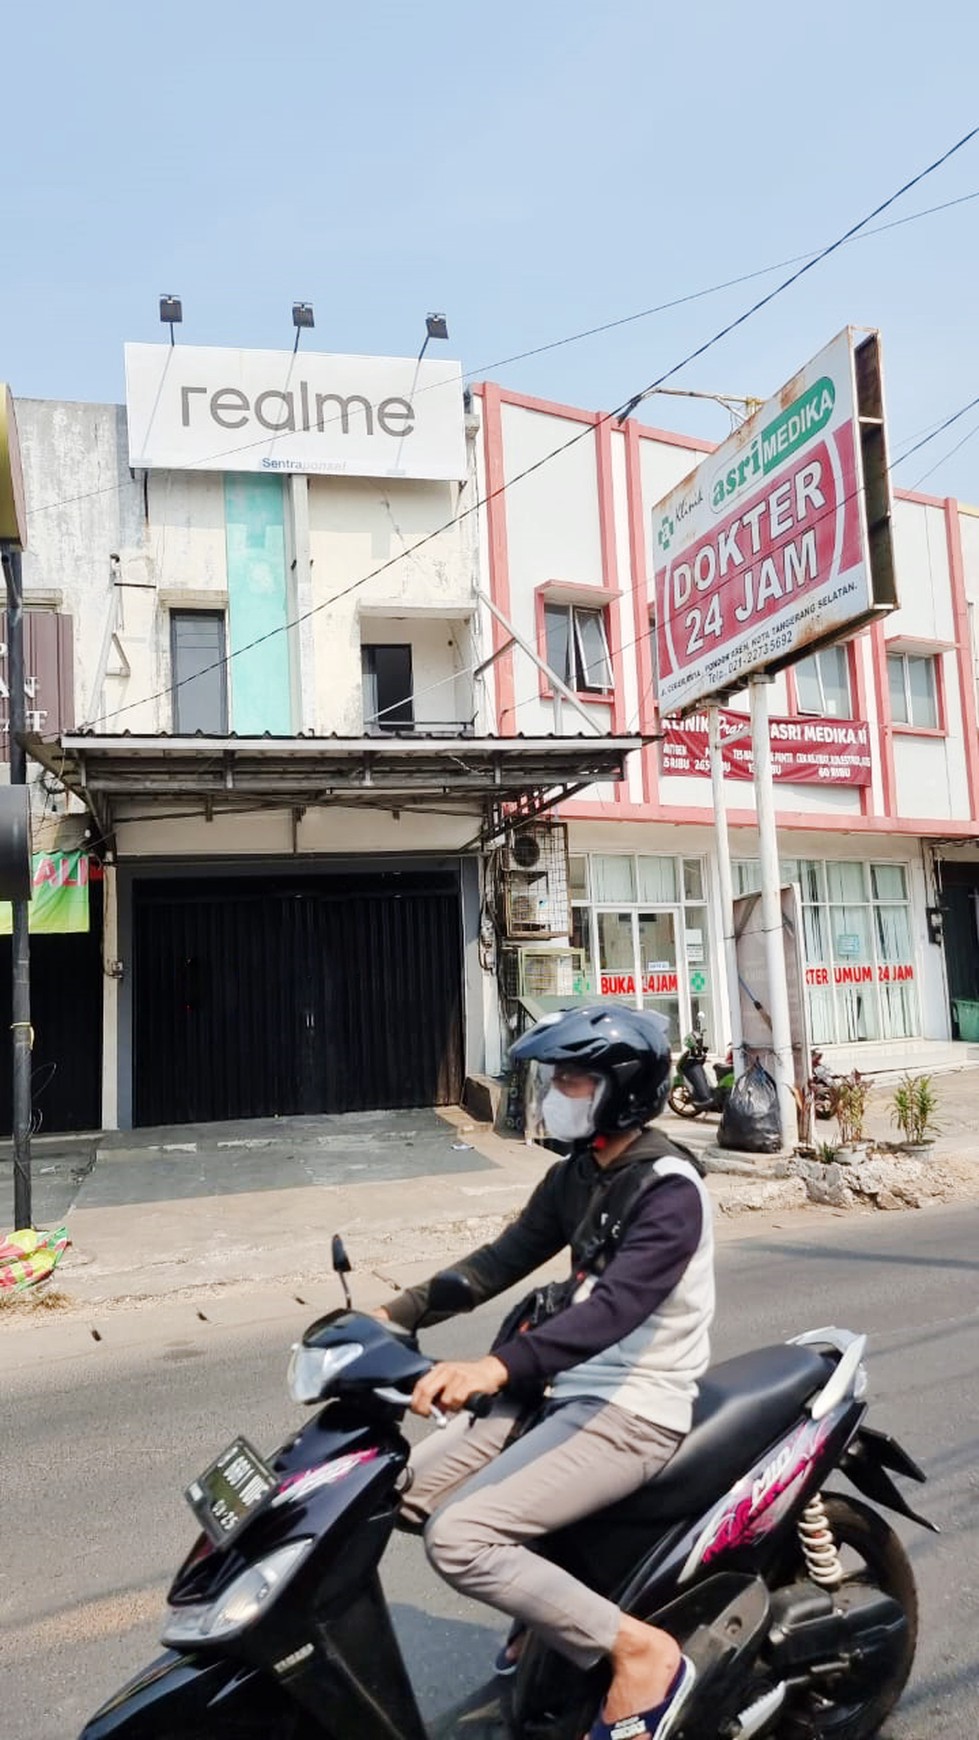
312	1369
240	1604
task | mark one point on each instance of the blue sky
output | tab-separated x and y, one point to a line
531	168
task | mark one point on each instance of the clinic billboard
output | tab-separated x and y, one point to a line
196	408
780	541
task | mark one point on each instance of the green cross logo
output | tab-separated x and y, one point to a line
664	536
698	982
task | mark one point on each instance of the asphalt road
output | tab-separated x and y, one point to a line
95	1454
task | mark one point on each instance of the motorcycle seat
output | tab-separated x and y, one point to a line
744	1405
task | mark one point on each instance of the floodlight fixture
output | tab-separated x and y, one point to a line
302	316
435	327
171	312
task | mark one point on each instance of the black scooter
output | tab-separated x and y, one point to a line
278	1629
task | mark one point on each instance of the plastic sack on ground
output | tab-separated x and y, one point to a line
750	1121
28	1257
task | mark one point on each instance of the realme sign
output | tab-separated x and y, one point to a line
197	409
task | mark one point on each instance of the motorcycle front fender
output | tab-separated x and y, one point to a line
186	1694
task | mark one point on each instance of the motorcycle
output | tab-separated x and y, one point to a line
692	1092
797	1607
822	1087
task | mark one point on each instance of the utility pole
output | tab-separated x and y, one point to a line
15	848
20	1022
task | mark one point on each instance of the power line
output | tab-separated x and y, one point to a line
945	456
812	256
619	416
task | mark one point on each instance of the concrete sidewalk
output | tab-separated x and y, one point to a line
197	1211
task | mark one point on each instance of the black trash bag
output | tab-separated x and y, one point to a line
750	1122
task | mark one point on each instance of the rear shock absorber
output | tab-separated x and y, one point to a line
818	1546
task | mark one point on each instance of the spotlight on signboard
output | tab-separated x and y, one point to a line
302	317
171	312
436	326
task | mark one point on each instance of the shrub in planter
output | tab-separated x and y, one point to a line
850	1094
913	1107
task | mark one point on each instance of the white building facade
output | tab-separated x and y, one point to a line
310	690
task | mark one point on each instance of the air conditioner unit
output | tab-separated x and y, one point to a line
535	900
541	973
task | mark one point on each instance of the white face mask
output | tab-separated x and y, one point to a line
568	1120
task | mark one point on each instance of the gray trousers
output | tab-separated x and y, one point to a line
480	1505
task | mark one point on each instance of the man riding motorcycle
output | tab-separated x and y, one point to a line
610	1360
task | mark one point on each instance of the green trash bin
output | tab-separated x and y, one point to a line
967	1017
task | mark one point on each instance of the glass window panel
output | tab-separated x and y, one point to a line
850	934
746	876
669	1008
893	927
693	879
578	872
846	882
857	1012
889	881
200	685
613	878
807	686
812	878
924	699
557	633
834	669
615	950
657	880
895	684
657	942
594	672
581	939
899	1011
789	869
822	1020
815	941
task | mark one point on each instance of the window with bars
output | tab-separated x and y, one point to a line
577	647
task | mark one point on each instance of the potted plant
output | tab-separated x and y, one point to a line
912	1110
850	1094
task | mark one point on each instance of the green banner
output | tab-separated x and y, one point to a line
60	899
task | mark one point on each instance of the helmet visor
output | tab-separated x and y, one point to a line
562	1102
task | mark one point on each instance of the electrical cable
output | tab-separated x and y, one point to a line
619	416
812	256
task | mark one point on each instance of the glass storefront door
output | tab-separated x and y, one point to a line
637	962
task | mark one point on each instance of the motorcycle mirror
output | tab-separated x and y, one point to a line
701	1022
341	1265
450	1292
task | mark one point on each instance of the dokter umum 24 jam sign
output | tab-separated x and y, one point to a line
780	541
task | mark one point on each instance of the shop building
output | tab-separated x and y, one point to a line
280	755
875	743
296	695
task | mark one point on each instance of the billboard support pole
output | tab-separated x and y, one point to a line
725	884
21	1030
771	908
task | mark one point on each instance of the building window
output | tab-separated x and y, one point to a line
913	683
641	924
388	704
857	943
198	672
822	683
577	647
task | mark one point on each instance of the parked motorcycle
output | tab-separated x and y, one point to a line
797	1607
822	1087
695	1089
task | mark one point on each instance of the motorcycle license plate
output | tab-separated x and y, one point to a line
228	1493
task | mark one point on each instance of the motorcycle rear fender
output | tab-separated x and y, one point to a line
866	1462
184	1694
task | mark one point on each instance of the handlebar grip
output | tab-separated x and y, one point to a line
479	1405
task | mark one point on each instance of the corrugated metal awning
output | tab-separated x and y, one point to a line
478	776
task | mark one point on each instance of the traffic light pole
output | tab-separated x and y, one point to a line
20	1022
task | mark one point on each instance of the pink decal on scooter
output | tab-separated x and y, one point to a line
299	1486
745	1516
